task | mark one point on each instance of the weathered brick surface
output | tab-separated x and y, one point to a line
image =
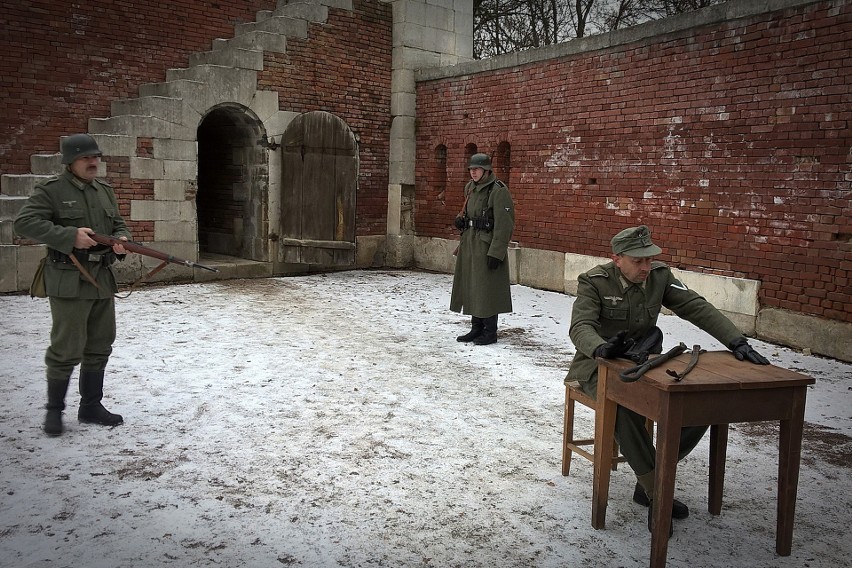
64	63
732	142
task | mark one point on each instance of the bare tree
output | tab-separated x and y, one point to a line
503	26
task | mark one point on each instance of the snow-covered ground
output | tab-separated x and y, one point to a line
333	420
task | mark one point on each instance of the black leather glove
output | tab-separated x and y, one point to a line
493	263
459	223
742	351
615	346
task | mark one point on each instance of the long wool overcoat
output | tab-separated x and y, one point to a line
478	290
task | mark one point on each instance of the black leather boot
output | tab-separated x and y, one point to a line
475	330
55	405
91	393
489	331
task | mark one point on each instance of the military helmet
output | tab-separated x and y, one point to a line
78	146
480	161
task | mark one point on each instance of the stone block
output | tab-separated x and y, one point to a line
8	268
180	169
10	206
403	104
576	264
543	269
264	104
822	336
311	12
139	126
47	164
162	210
20	185
229	57
175	149
147	168
176	231
172	190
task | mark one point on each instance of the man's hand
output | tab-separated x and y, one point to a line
117	248
742	351
459	222
615	346
493	263
83	240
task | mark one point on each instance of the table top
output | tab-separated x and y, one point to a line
716	370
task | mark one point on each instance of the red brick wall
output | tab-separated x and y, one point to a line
732	142
65	62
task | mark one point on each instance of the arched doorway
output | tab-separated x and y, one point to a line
233	184
319	180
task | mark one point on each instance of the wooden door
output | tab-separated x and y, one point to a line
320	172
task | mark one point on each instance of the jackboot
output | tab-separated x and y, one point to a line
91	394
56	390
679	510
475	330
489	331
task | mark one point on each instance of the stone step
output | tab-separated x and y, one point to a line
139	126
259	40
178	89
211	73
20	185
46	164
284	25
310	11
229	57
341	4
170	109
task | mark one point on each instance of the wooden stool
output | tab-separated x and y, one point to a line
570	444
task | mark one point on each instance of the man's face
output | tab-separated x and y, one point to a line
85	168
634	269
476	173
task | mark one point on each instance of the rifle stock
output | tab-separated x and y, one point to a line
139	248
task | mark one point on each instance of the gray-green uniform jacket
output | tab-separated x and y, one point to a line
607	304
52	215
478	290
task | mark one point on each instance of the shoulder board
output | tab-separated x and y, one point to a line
598	271
102	182
655	264
499	183
54	179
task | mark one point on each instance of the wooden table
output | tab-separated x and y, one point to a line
718	391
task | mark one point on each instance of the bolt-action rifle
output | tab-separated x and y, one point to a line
139	248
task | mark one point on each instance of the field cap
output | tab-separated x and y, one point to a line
635	241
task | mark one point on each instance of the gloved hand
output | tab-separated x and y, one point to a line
742	351
493	263
615	346
459	222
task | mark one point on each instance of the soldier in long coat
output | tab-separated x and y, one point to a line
61	213
481	285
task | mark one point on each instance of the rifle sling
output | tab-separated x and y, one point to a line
143	279
83	270
635	373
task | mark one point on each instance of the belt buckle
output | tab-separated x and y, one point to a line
95	258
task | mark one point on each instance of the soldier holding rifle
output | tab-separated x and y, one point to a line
62	213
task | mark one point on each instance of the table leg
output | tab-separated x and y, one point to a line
668	442
789	455
604	440
718	453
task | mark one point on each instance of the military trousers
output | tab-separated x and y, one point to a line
633	439
82	333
